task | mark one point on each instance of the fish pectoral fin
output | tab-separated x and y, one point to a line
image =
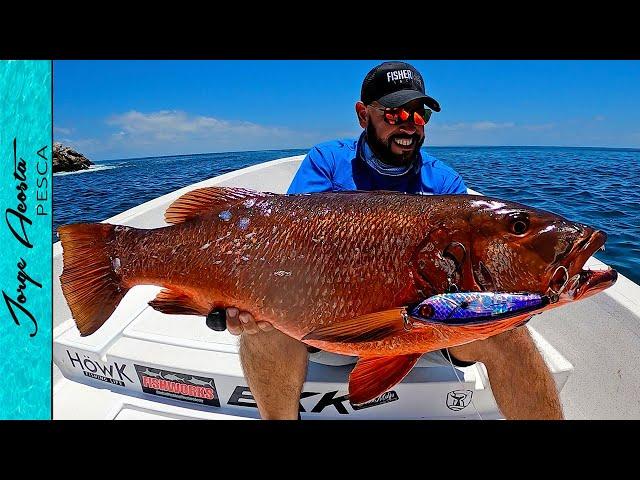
204	200
372	376
177	303
366	328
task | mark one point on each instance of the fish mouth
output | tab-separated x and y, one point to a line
570	281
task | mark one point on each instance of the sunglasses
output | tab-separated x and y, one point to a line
396	116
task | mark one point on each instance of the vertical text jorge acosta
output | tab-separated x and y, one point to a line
19	223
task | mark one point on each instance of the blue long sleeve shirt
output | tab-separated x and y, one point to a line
351	165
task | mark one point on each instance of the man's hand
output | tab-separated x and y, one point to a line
243	322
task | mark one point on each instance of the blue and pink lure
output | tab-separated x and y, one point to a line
464	308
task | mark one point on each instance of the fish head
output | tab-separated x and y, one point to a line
514	248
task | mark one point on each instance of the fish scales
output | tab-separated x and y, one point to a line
304	261
347	230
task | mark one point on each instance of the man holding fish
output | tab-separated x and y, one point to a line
393	112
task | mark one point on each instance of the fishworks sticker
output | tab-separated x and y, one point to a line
114	373
181	386
386	397
459	399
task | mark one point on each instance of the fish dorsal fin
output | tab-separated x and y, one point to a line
372	376
203	200
366	328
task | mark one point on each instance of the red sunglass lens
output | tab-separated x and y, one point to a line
401	115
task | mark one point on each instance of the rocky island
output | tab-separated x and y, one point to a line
65	159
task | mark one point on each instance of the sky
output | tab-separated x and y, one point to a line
136	108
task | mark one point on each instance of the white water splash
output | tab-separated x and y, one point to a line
93	168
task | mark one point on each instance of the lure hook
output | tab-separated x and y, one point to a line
555	295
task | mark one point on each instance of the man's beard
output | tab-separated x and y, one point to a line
384	153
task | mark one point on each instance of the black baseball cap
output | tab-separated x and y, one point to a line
393	84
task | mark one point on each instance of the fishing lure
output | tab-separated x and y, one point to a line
464	308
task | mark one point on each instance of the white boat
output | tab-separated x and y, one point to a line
143	364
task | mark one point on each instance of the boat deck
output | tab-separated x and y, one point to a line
600	337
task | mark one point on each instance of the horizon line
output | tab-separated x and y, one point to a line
309	148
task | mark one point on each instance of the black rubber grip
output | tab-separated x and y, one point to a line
217	320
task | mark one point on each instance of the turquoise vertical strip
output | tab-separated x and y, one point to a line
25	239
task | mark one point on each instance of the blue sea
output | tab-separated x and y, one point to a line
596	186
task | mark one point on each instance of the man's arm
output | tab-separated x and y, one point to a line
450	181
454	184
314	174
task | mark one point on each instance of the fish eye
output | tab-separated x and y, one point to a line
519	225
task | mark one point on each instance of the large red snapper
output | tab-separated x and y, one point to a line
335	270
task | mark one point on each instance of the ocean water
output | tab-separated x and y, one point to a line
595	186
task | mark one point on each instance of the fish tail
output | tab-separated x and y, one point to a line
90	278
